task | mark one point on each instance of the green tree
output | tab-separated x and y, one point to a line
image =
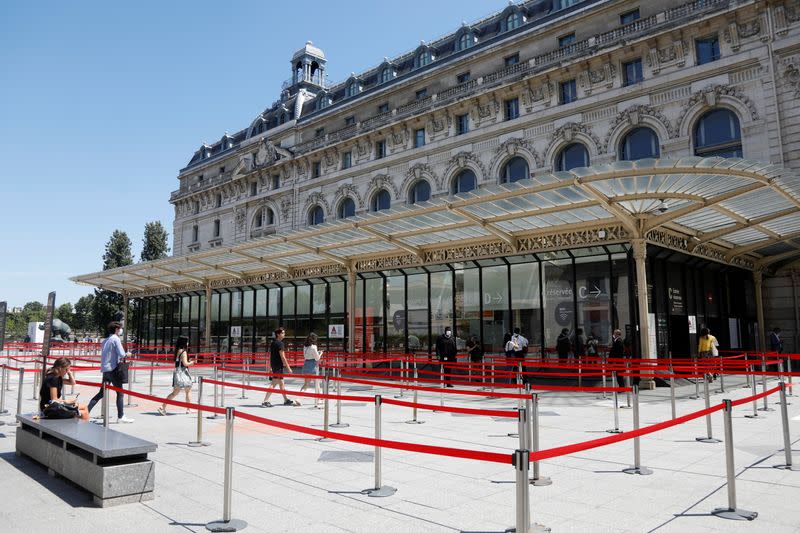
33	312
65	314
154	243
84	314
107	304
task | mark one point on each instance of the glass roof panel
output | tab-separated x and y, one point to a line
746	236
784	225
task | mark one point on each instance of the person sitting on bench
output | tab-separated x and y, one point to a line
50	393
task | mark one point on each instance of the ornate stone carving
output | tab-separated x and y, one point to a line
514	146
286	208
421	171
484	109
633	116
676	241
317	198
463	160
671	55
791	74
568	132
398	138
349	190
240	218
266	154
710	96
383	182
604	76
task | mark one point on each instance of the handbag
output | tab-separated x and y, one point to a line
60	411
182	378
121	371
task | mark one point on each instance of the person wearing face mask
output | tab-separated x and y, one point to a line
446	351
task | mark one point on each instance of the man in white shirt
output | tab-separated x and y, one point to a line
112	353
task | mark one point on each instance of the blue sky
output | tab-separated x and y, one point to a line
101	103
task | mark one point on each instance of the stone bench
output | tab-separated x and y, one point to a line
111	465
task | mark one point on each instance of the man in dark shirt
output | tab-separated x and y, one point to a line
617	349
446	351
278	366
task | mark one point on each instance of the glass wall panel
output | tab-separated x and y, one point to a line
236	321
417	313
468	301
527	312
496	319
442	305
274	310
194	324
621	287
336	291
248	298
303	300
358	342
201	323
559	308
262	332
289	296
224	322
319	322
594	299
184	315
374	314
158	333
396	313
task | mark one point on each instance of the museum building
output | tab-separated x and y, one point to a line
589	165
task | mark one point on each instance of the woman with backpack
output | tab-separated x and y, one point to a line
181	378
51	402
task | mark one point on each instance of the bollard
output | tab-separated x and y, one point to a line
721	376
709	438
326	407
199	442
222	391
789	370
339	423
379	490
19	390
616	406
637	467
227	524
402	378
532	404
244	381
36	385
105	404
522	428
696	383
414	409
764	384
755	402
672	390
520	460
628	385
130	387
782	377
152	365
731	513
3	380
603	362
216	401
787	442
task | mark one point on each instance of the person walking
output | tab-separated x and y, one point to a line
111	355
311	357
519	347
181	378
707	347
475	353
278	365
563	345
580	343
617	350
775	341
446	351
52	386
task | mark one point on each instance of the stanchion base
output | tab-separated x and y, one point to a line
230	525
693	397
615	430
415	421
734	514
534	528
793	468
196	444
214	417
766	409
641	470
707	440
541	481
624	406
513	435
325	439
340	425
752	416
380	492
5	411
131	405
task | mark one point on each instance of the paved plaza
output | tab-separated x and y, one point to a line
286	481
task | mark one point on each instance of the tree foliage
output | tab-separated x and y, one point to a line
65	313
106	304
84	315
154	243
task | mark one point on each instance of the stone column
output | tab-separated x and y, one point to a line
207	339
758	278
351	309
639	258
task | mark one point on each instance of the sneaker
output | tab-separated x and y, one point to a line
266	404
449	386
162	411
125	420
290	402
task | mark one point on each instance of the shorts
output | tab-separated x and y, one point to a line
310	367
279	370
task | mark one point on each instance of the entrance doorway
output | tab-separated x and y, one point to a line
679	336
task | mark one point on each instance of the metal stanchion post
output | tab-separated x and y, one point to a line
3	380
441	380
781	377
105	404
130	387
414	409
520	460
709	438
152	367
379	490
36	385
616	406
721	375
522	428
789	370
672	390
755	402
747	368
696	383
764	384
637	467
19	390
402	376
216	397
787	441
628	385
492	367
519	385
603	362
731	512
199	442
339	423
227	523
222	391
532	404
326	406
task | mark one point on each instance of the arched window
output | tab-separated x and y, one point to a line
717	134
464	181
386	74
352	88
316	216
572	156
258	221
639	143
465	40
269	217
347	208
381	200
513	20
423	58
420	192
515	169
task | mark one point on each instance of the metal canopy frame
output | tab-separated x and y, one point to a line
741	207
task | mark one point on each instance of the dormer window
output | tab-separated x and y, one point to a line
512	19
353	88
466	39
323	101
424	56
387	74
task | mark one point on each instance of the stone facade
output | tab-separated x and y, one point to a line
274	168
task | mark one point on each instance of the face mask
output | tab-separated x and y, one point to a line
120	332
448	334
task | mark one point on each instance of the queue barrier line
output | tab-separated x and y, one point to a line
302	394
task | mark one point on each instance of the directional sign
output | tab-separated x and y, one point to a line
589	291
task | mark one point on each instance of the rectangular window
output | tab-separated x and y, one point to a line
511	108
196	207
194	233
419	138
380	149
462	124
315	169
219	200
349	121
276	181
566	40
632	72
464	77
216	228
347	160
511	60
383	108
707	50
221	171
422	93
319	132
568	92
200	178
629	16
253	188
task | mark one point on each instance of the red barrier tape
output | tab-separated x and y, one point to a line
290	392
448	409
